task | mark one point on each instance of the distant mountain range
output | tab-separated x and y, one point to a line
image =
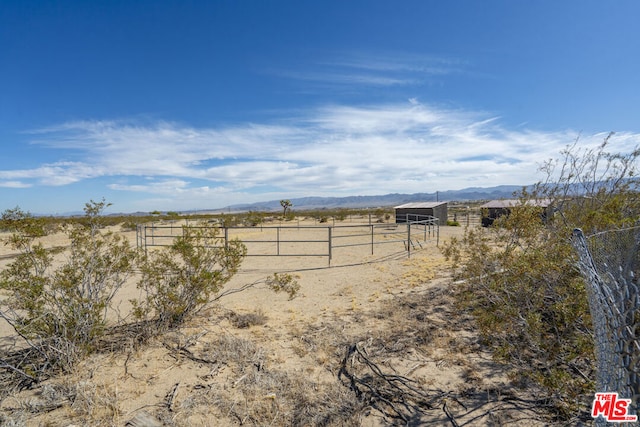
355	202
395	199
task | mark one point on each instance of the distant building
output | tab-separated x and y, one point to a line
421	210
497	208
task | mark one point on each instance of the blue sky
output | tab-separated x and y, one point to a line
177	105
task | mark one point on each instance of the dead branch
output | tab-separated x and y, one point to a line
394	395
171	396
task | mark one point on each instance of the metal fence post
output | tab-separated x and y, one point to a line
330	244
145	239
371	239
408	239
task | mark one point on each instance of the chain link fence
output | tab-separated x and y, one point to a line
610	263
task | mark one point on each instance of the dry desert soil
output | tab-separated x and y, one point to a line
370	340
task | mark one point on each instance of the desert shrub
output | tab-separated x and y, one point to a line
179	280
254	218
246	320
261	395
228	220
60	311
129	226
340	215
521	281
283	282
453	223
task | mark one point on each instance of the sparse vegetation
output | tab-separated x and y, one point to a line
246	320
520	277
254	218
179	280
279	282
60	311
363	362
256	366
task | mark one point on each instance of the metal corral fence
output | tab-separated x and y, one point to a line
301	240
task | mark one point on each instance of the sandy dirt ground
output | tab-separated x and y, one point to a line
218	370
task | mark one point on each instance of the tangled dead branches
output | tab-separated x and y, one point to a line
395	396
404	401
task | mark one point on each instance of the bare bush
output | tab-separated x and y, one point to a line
247	320
264	396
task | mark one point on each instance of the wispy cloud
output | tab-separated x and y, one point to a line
334	150
350	78
52	174
400	62
14	184
374	70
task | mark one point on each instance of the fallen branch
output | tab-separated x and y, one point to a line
171	396
394	395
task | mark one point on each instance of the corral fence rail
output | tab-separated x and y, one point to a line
320	241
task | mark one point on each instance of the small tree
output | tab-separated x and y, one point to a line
286	205
60	312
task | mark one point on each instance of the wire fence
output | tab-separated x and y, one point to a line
610	262
303	240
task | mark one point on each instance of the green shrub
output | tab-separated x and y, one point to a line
254	218
60	311
179	280
283	282
520	279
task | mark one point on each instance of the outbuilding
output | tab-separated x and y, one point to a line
421	210
496	208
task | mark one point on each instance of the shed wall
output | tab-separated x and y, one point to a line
440	212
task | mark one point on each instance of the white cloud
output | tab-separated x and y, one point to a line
397	62
162	187
350	78
353	71
54	174
334	150
14	184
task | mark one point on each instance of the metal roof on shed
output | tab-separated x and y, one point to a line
509	203
420	205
